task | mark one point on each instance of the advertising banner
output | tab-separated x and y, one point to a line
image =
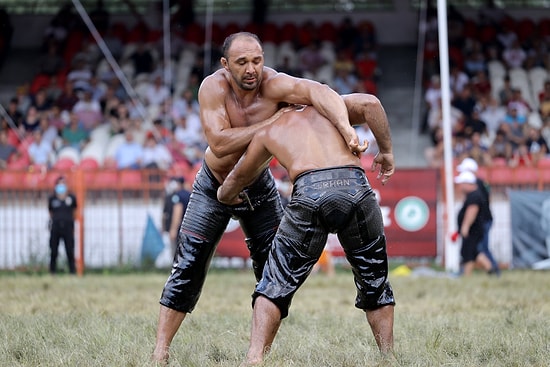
530	212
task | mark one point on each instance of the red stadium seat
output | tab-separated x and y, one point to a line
526	176
88	164
194	34
526	29
64	164
327	32
270	33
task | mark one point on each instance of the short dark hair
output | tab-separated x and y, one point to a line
229	41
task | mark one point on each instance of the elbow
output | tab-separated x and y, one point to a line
218	149
371	101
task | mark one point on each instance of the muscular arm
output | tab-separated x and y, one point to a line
367	109
244	173
224	139
325	100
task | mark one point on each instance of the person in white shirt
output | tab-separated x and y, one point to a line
155	155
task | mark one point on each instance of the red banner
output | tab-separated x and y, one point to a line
408	203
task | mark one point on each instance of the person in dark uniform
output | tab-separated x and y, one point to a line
62	208
178	204
471	220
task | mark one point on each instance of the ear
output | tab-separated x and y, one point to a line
224	63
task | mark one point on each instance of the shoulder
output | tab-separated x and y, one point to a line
215	83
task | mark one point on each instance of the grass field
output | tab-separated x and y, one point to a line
110	320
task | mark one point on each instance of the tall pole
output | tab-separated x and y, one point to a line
208	36
167	51
451	260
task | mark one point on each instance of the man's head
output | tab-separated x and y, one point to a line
243	58
61	186
467	165
467	181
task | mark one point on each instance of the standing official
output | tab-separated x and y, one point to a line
62	208
179	201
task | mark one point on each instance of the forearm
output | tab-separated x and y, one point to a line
331	105
228	192
236	139
366	108
380	127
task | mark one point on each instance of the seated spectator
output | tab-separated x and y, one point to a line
345	81
481	85
75	134
475	60
155	155
53	89
514	132
114	43
51	63
40	150
432	99
465	101
189	131
310	60
31	120
129	155
536	145
176	149
88	110
79	75
68	98
544	99
491	112
14	113
514	56
435	119
478	150
461	146
23	98
142	59
58	118
50	133
184	104
521	157
156	93
434	154
40	101
501	147
160	132
7	150
458	79
537	54
507	36
519	103
286	67
475	124
505	94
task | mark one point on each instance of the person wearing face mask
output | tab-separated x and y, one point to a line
62	209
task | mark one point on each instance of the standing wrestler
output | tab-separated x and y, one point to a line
331	194
235	102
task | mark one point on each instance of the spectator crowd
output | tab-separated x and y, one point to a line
499	85
77	109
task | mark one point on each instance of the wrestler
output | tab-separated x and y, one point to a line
235	102
331	194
